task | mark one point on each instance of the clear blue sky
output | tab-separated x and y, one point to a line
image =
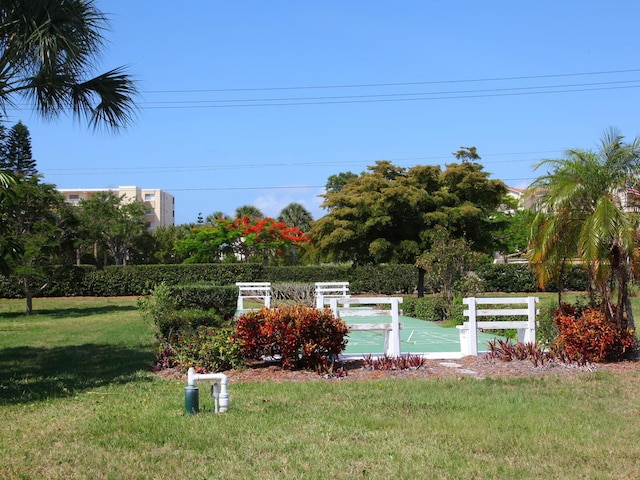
259	102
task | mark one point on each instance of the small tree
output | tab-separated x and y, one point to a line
446	264
41	228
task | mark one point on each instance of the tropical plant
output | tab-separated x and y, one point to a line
240	238
296	216
587	211
249	211
46	49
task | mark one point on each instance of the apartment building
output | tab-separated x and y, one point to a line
161	205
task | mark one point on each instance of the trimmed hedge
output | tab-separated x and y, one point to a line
136	280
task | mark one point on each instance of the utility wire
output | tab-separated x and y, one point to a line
397	84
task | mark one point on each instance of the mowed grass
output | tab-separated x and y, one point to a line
77	400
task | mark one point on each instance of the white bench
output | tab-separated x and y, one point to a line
326	290
255	291
469	330
342	307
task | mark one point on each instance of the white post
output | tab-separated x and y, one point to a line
530	333
394	341
473	328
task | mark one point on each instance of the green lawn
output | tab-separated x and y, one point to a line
77	400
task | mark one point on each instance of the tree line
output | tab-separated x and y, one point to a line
586	205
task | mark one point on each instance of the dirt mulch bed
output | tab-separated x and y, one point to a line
474	367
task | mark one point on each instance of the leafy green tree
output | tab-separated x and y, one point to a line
114	222
467	154
42	226
385	214
336	182
47	47
165	239
587	210
241	238
16	156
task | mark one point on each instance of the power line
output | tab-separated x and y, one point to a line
200	168
286	103
388	95
396	84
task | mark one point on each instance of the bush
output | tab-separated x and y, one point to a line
588	336
301	336
383	279
508	278
164	310
205	348
220	299
434	308
293	293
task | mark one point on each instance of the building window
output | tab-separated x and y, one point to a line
149	197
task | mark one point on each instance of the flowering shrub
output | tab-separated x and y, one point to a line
207	349
588	336
302	336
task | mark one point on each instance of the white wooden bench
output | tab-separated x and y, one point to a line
254	290
469	330
342	307
327	290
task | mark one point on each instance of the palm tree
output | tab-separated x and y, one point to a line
584	212
249	211
296	216
47	47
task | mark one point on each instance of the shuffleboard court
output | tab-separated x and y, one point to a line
416	337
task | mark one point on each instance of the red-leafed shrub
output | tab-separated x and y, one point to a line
589	337
302	336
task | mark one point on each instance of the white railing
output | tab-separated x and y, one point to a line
469	330
260	291
327	290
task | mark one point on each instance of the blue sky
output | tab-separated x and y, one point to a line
256	102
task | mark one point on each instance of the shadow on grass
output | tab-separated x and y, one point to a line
73	312
29	374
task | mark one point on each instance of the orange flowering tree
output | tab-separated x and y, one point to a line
242	239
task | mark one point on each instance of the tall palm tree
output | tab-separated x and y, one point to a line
585	212
47	50
249	211
296	216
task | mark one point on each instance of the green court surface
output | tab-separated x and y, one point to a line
416	337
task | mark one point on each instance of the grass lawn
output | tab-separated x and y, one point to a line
77	400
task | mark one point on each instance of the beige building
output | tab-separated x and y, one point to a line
161	205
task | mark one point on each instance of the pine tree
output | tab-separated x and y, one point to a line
17	152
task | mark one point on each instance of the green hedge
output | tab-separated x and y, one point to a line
136	280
